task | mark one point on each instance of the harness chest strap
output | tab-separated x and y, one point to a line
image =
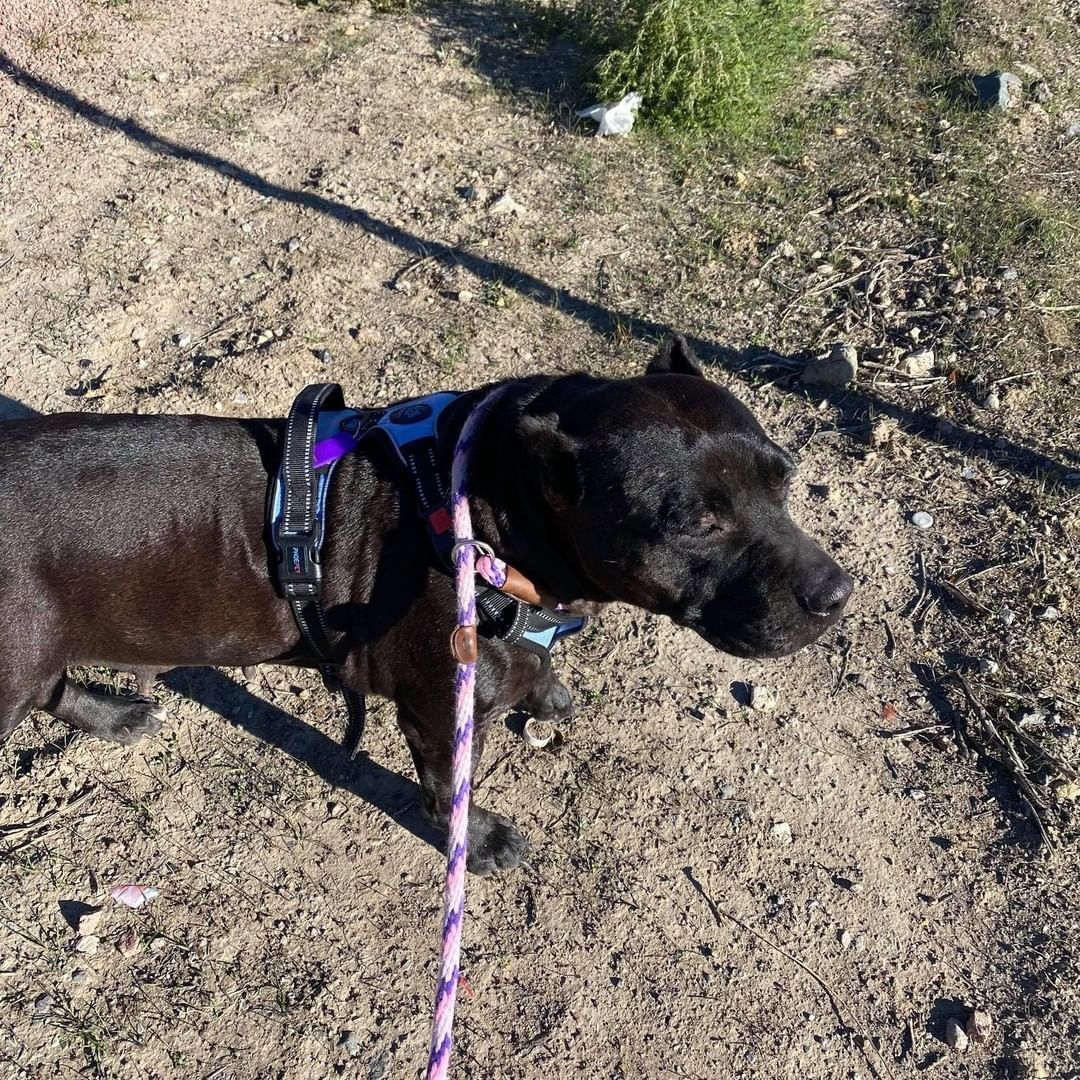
320	431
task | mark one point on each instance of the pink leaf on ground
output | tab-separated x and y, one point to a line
133	896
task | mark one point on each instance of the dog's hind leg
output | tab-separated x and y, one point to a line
106	716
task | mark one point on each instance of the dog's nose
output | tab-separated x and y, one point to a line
825	591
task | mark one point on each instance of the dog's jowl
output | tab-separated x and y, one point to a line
140	542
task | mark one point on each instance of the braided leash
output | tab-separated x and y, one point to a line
466	567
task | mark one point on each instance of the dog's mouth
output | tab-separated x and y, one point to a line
762	644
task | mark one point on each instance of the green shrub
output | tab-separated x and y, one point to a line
716	65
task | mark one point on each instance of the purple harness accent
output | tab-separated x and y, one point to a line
333	448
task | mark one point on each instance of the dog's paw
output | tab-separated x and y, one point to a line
128	723
553	705
494	843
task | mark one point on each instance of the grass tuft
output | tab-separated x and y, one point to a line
705	65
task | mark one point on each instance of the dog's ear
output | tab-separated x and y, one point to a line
554	456
675	358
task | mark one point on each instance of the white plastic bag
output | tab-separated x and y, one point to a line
615	119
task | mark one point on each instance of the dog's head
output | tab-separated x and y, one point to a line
672	498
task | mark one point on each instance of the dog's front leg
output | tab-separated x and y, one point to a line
494	841
548	699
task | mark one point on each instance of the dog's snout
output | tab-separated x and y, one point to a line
824	591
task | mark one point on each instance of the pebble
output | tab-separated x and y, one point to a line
505	204
465	296
86	921
161	76
882	430
292	244
88	945
1041	92
922	520
782	831
1067	790
988	666
324	356
182	340
43	1004
1007	616
919	363
992	401
785	249
1009	273
839	368
1048	613
350	1043
80	977
1073	130
762	698
998	90
727	791
979	1025
240	398
847	939
916	794
129	944
955	1035
263	337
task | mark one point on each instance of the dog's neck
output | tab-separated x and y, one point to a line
508	509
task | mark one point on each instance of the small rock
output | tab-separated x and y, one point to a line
43	1004
782	831
919	363
839	368
727	791
916	794
350	1043
998	90
324	356
785	249
505	204
161	76
922	520
88	945
263	337
465	296
1048	613
182	340
1073	130
1009	273
240	398
882	430
129	944
1067	790
1041	92
80	977
992	401
955	1035
762	699
988	666
292	244
847	939
87	920
824	491
979	1026
1007	616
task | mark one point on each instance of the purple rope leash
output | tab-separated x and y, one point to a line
466	567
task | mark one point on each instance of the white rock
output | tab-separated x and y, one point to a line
919	363
782	831
88	944
979	1025
922	520
988	666
955	1035
762	698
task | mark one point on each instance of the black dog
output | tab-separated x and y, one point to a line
139	542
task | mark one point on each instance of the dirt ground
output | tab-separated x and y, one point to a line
205	206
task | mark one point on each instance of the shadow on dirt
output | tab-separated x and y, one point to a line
395	796
854	407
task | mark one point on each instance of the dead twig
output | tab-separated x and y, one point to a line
835	1000
1013	764
27	826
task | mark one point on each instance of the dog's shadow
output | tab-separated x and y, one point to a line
395	796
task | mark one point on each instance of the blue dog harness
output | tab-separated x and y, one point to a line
320	432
